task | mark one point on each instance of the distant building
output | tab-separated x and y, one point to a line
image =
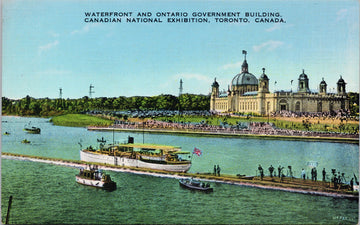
248	94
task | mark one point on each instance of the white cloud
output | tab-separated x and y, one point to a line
84	29
341	14
48	46
269	45
54	34
232	65
278	26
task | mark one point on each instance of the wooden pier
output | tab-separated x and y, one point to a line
295	185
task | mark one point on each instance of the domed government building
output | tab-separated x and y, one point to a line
247	94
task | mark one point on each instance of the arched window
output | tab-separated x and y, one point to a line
283	104
297	107
319	107
342	104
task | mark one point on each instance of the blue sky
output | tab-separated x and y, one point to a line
47	46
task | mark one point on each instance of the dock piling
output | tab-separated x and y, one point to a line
8	211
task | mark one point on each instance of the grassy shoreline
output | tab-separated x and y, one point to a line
80	120
83	120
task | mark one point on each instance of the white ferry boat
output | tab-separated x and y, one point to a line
152	156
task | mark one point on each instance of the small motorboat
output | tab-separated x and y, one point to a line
32	130
25	141
95	178
195	185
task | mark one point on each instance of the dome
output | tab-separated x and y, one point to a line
303	76
215	84
244	78
263	75
323	82
341	80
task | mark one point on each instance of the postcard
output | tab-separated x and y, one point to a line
205	111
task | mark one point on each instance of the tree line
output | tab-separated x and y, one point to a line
29	106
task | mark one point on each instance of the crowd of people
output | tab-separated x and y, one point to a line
257	128
337	179
338	114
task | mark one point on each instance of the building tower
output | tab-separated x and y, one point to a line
214	94
322	87
341	86
91	90
244	66
303	85
262	90
243	82
263	83
181	87
180	94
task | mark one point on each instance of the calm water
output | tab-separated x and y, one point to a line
48	194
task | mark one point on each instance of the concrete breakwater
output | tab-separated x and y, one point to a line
295	185
233	134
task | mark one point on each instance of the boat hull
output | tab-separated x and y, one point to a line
125	161
96	183
33	130
185	184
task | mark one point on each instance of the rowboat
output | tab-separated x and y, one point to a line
32	130
195	185
25	141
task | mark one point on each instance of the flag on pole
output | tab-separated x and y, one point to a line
197	151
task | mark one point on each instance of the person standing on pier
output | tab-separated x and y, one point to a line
271	170
279	170
290	171
324	174
303	174
312	174
335	181
218	170
339	181
215	170
315	174
261	172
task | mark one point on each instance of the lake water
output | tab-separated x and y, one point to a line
48	194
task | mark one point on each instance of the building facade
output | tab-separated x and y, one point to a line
248	94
